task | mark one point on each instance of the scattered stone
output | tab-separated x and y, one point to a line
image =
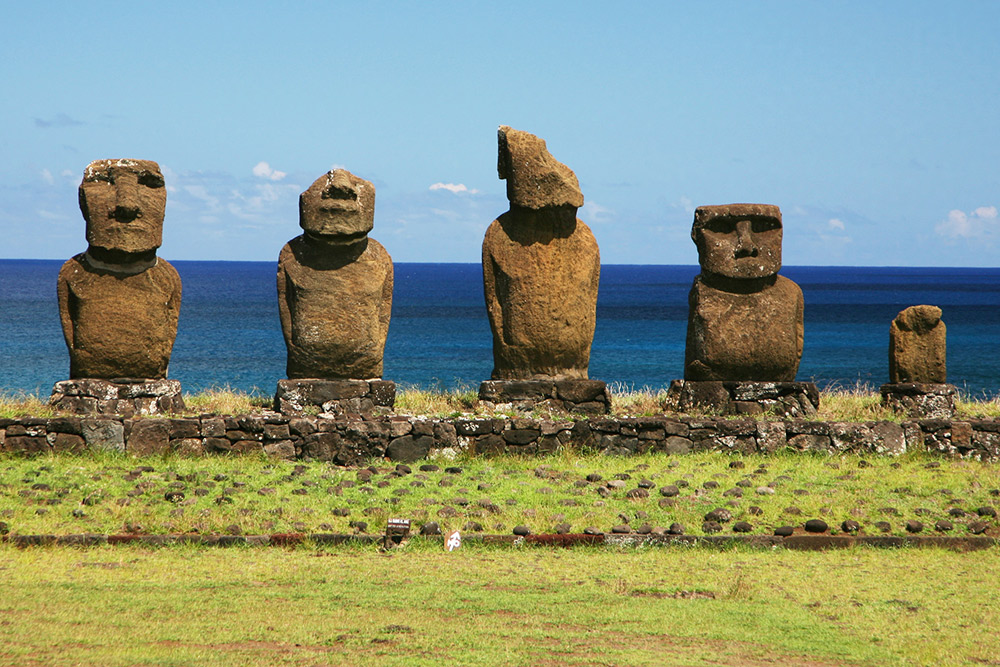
621	529
987	511
669	491
754	510
850	526
784	531
590	530
742	527
914	526
635	494
453	470
737	465
710	527
816	526
522	530
943	526
720	515
976	527
429	467
794	511
676	529
734	492
956	512
430	528
765	491
562	528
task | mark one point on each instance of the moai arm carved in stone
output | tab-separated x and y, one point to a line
745	321
541	267
335	283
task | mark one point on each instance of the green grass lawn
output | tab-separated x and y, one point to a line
105	493
418	605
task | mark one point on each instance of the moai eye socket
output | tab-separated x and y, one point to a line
151	179
759	225
721	225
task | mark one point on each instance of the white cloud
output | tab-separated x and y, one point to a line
594	212
263	170
47	177
685	204
836	223
979	224
453	187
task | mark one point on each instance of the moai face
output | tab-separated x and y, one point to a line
741	241
123	203
338	207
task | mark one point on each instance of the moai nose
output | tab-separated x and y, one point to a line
126	198
745	247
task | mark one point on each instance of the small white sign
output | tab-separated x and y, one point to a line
452	541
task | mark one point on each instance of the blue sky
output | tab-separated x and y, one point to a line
874	126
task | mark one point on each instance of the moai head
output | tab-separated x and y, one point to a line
741	241
338	207
917	346
123	203
534	178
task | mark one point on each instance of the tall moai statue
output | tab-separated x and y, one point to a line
745	322
335	299
917	368
118	301
541	267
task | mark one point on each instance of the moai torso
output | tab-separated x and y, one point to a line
541	267
541	297
335	313
118	302
335	284
917	346
745	322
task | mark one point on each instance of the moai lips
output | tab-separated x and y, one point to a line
335	283
745	322
118	302
917	346
541	267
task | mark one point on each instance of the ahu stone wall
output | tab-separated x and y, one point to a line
405	438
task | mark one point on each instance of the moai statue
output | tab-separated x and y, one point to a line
118	301
917	371
335	299
917	346
745	321
541	268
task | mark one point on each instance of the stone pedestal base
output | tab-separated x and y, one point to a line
919	400
587	396
782	399
123	396
363	398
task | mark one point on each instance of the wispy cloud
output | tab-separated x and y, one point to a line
454	188
59	120
836	223
981	223
594	212
47	177
685	204
264	170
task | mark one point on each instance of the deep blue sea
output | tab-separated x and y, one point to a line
229	332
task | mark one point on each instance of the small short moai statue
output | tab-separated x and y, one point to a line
541	267
118	301
335	299
917	370
745	329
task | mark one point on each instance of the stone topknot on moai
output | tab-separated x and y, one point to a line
541	267
917	369
745	329
118	301
335	299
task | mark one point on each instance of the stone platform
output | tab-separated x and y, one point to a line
586	396
919	400
123	396
337	397
782	399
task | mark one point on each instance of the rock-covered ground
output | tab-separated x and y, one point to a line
694	494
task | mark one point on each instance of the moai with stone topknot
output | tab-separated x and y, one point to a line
541	267
119	302
917	370
335	300
745	328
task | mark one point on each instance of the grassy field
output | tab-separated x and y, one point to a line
486	606
116	493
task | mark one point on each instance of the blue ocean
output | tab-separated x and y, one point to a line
229	334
